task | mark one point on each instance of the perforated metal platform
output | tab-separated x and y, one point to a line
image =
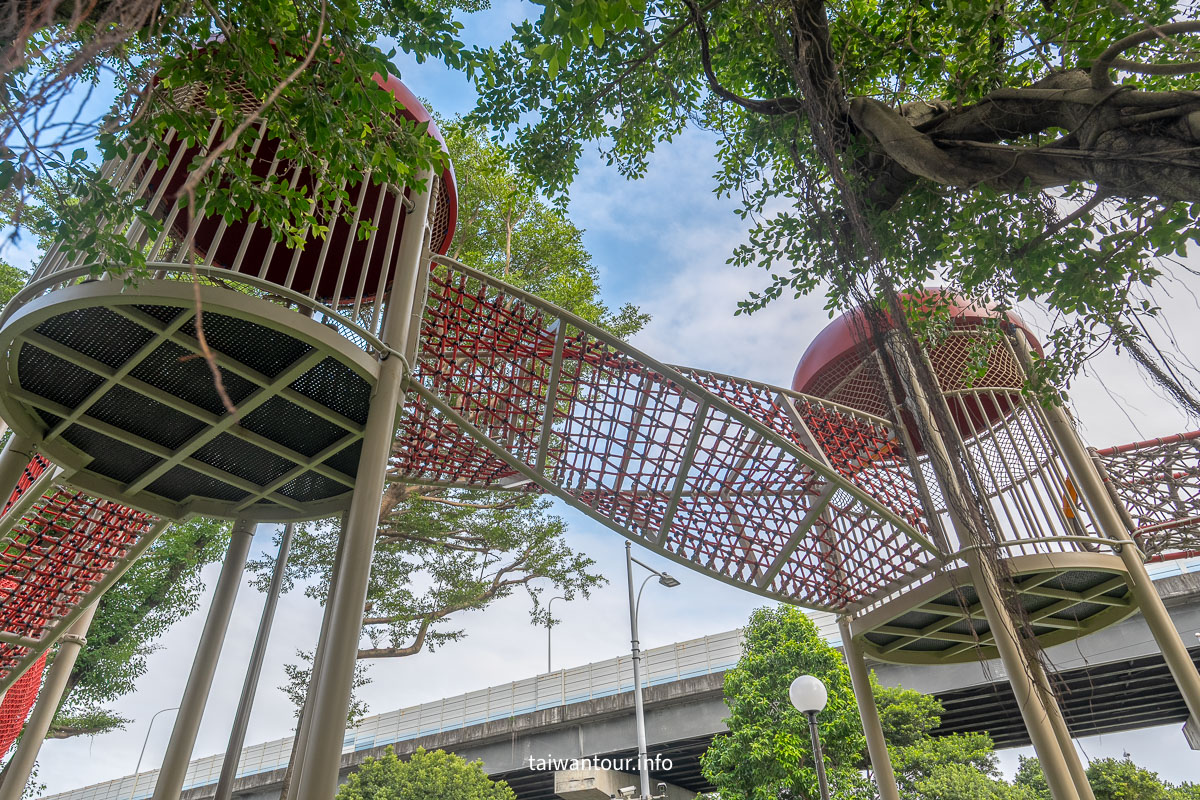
114	384
1064	596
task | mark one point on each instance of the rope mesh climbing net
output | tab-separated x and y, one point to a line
786	494
1159	482
51	561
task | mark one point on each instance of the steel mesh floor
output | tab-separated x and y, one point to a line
951	626
128	389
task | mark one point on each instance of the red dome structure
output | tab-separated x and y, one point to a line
244	246
840	364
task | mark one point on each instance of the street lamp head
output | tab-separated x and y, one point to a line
808	694
667	581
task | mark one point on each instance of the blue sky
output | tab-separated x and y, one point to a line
660	242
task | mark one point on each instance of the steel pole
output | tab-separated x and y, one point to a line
295	768
639	708
1032	704
323	756
204	666
1008	641
868	712
1059	723
1087	480
13	459
237	736
38	724
818	756
1104	511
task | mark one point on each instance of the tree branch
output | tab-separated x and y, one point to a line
773	107
1101	79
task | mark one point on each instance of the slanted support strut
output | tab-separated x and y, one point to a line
38	724
204	666
237	736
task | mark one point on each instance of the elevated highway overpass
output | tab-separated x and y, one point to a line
1109	681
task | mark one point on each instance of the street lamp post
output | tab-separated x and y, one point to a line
639	709
146	741
549	624
809	696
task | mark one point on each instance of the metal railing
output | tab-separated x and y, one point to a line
337	271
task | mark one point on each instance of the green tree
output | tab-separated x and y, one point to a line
506	229
1031	778
883	145
767	753
1110	779
437	557
1114	779
929	767
424	776
163	587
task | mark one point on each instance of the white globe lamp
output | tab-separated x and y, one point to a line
809	696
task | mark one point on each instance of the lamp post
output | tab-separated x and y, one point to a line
639	709
145	741
549	624
809	696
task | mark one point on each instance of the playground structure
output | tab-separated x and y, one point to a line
356	357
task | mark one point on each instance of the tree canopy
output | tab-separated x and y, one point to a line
1025	150
423	776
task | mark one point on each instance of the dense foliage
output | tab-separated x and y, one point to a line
423	776
767	750
885	144
300	69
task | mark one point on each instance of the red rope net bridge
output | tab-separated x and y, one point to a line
1159	483
770	489
61	550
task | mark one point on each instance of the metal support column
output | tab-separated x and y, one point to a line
1007	639
237	736
13	458
38	724
1059	722
1108	520
1033	705
868	712
295	768
204	665
1090	487
323	755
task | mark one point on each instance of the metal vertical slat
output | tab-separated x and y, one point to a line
362	277
223	225
350	241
